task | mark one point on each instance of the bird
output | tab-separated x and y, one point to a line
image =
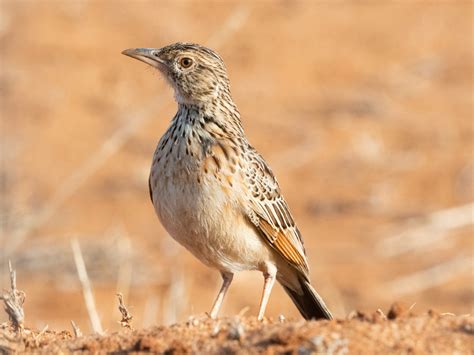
211	189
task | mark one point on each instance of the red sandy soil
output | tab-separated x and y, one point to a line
400	333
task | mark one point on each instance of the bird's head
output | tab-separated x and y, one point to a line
196	73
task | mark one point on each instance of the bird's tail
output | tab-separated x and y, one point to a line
309	303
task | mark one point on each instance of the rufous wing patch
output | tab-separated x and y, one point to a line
282	243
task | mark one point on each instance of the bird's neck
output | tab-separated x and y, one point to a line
220	114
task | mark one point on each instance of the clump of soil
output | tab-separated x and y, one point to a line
400	332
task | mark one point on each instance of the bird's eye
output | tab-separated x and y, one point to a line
185	62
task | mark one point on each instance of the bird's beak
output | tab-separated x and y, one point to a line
146	55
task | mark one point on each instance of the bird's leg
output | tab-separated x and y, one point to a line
269	279
227	279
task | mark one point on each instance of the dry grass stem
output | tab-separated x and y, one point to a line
243	311
76	330
126	316
236	329
13	302
381	314
37	337
176	291
150	311
232	24
411	307
431	277
448	314
434	229
124	277
86	287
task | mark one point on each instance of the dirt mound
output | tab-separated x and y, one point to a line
362	333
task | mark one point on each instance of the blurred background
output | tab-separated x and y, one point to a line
363	110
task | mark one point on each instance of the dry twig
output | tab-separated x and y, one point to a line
381	314
86	287
236	329
124	248
13	301
434	229
126	316
37	337
431	277
76	330
150	311
176	291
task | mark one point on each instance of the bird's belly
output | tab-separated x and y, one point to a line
206	217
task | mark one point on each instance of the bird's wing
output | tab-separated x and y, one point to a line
270	213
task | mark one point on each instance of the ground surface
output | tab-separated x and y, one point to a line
363	334
363	110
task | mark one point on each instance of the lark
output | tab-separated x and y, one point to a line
213	192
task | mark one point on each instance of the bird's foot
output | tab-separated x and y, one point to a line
211	315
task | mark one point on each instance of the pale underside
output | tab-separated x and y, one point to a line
220	200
